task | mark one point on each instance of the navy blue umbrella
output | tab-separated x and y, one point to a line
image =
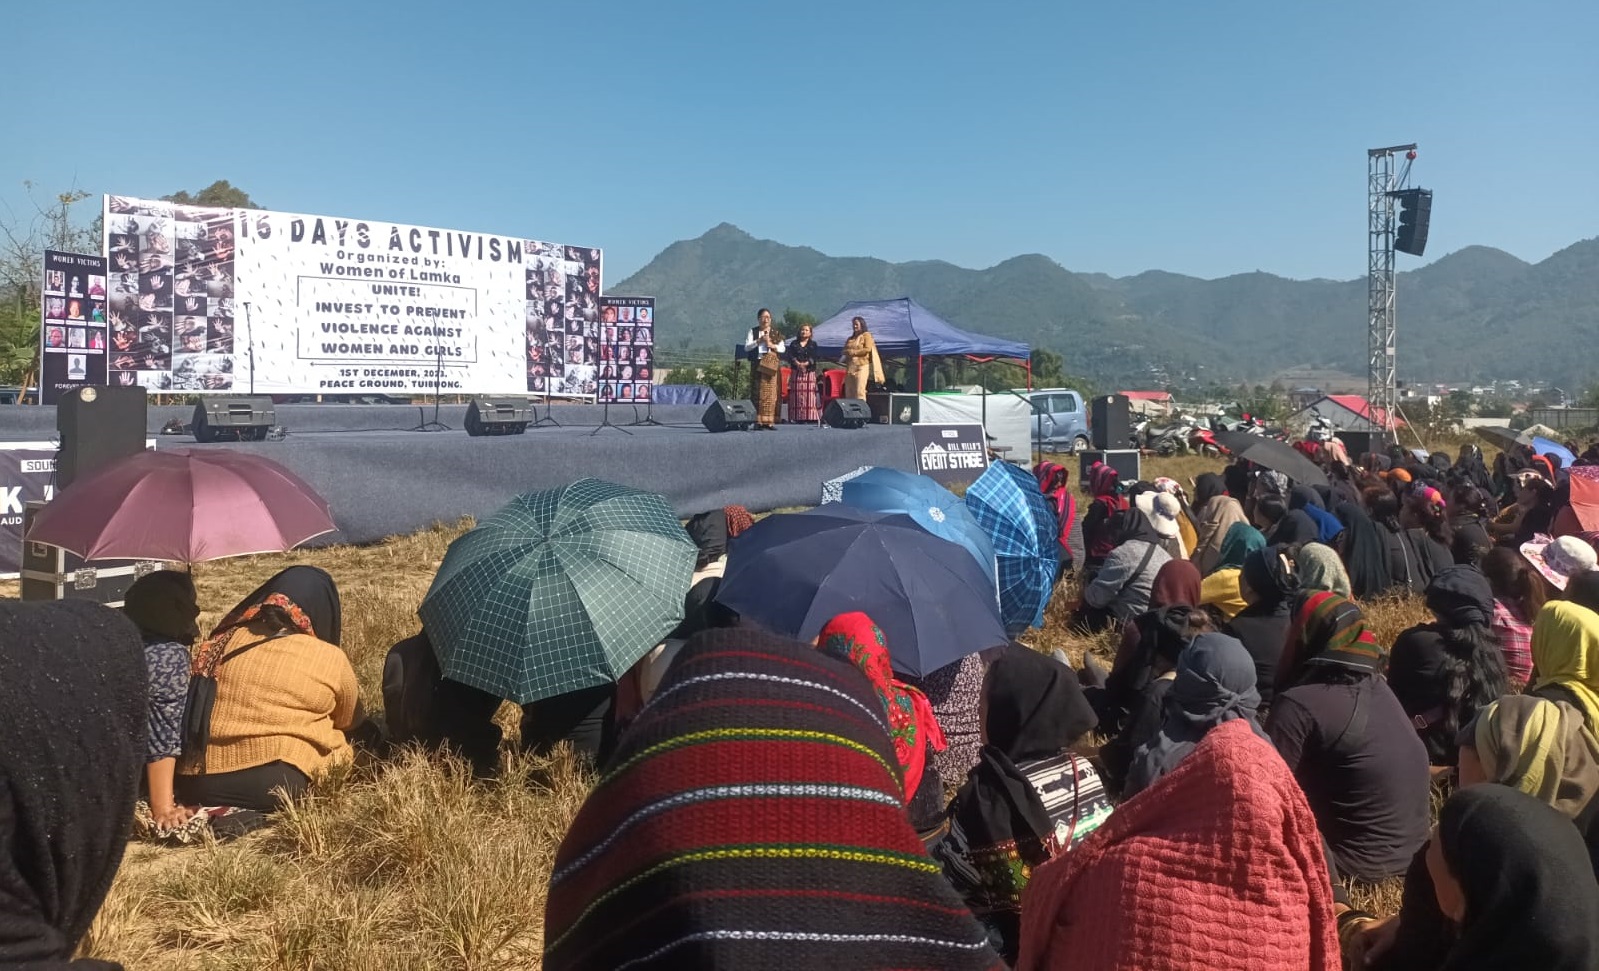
793	573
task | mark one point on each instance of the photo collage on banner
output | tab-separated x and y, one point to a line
172	295
73	336
627	349
563	319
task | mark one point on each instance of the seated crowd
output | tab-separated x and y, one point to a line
1207	800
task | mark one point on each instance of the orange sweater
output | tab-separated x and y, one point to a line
286	700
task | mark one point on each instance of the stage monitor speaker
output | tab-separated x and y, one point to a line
497	416
98	425
847	413
1110	422
729	416
225	419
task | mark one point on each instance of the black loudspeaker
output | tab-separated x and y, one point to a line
729	416
1360	443
1126	462
497	416
847	413
1415	213
222	419
1110	422
98	425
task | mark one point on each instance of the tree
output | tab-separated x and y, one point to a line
220	194
723	378
793	320
1494	408
1461	403
22	244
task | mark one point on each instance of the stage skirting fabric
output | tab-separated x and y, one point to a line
382	480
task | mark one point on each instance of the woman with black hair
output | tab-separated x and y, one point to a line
765	347
1268	585
1345	736
1414	558
1469	519
1444	671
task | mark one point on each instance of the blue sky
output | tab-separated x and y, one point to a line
1204	138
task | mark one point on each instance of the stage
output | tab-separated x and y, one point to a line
382	479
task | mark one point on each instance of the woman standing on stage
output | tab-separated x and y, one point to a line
802	401
861	361
765	346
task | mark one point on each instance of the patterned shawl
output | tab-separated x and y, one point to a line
912	725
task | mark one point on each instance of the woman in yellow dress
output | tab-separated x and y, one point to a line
860	361
765	346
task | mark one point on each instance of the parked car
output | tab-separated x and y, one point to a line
1060	419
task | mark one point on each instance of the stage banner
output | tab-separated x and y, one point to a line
627	349
245	300
27	470
949	453
72	339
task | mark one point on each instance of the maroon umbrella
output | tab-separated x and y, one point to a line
183	505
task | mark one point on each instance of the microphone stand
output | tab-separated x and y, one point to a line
438	376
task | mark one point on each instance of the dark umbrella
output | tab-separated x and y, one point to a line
1274	455
793	573
1502	437
560	590
183	505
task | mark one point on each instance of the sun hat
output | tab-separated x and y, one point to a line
1162	510
1561	559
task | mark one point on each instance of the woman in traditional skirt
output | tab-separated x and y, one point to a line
765	346
861	361
803	405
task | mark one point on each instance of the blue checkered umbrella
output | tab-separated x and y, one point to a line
560	590
1007	503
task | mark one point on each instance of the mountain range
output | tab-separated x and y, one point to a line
1474	315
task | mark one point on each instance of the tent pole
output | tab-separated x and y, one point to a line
918	370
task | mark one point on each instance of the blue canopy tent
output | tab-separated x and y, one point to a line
904	328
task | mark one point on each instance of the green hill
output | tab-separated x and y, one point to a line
1475	314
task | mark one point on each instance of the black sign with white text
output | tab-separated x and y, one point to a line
950	453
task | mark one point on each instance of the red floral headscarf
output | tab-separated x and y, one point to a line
738	520
210	651
912	725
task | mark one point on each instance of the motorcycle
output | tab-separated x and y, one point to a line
1203	441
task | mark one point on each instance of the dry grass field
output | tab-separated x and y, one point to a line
406	865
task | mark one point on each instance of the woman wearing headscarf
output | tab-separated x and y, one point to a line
854	639
1120	590
1542	748
1220	588
754	818
1028	799
1307	500
1268	585
1471	468
73	713
1319	568
285	697
1509	874
162	605
1565	654
1347	740
1215	683
1216	865
1414	557
1104	521
1215	513
1518	597
1054	481
1364	553
1444	671
1132	701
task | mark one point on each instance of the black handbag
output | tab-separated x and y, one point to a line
195	729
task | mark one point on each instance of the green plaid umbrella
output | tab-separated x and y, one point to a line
560	590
